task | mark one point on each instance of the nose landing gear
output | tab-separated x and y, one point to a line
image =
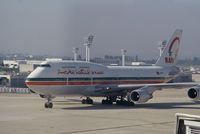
49	103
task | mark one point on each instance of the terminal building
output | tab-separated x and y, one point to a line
29	66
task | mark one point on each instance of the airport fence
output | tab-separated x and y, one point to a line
14	90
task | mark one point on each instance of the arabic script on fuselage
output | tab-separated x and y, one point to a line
79	72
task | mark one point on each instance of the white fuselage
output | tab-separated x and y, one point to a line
65	78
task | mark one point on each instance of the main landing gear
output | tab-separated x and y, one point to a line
120	101
88	100
109	100
125	103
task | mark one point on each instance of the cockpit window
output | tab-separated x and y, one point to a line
45	65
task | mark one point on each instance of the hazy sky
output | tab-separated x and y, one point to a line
53	27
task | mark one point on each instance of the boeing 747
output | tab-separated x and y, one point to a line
119	84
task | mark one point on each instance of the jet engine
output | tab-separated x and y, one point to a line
194	93
139	96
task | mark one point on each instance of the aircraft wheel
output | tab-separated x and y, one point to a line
103	101
89	101
48	105
110	102
129	103
107	102
125	103
83	101
119	102
132	104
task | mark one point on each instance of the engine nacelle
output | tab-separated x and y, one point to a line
139	96
194	93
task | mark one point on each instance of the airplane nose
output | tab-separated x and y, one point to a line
27	81
31	76
30	80
28	84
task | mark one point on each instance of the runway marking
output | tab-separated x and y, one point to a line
118	127
113	118
108	118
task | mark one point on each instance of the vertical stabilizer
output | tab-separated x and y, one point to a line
170	52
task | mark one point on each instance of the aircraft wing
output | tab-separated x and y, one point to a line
130	87
160	85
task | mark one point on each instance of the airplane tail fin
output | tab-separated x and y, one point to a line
170	52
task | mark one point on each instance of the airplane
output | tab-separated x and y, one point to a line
124	85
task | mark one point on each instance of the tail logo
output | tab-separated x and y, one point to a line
173	51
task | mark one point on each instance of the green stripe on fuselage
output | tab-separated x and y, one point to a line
97	79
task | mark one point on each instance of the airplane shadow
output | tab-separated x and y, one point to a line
163	105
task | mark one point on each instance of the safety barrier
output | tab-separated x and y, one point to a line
14	90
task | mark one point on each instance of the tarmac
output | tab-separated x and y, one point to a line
25	114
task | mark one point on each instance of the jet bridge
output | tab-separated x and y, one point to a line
187	124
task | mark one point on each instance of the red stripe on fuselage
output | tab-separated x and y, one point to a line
78	83
46	83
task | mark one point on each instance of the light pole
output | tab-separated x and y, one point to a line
88	43
123	52
75	51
